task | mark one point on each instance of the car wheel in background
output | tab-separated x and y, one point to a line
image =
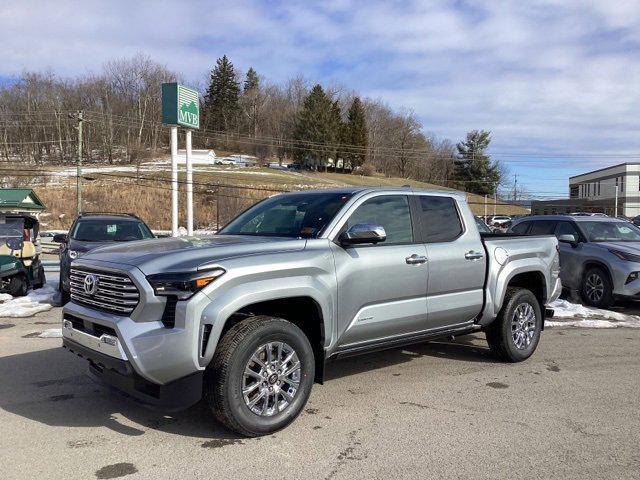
597	290
18	286
261	376
514	335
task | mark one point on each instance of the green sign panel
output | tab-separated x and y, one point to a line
180	105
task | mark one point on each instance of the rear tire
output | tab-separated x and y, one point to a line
259	397
514	334
596	288
18	286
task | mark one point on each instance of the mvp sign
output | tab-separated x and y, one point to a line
180	105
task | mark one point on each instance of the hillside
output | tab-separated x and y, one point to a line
145	190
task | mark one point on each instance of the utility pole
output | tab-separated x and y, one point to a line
495	202
79	118
515	187
485	208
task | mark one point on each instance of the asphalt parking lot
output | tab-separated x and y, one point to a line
438	410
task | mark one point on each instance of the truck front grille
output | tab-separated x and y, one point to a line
113	292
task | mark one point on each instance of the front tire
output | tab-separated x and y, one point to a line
261	376
514	334
597	290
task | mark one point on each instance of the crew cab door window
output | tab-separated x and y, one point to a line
441	220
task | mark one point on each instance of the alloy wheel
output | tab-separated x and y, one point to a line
271	379
595	287
523	325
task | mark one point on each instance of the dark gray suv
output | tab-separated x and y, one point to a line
599	255
92	230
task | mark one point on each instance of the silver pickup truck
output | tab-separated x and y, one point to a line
248	318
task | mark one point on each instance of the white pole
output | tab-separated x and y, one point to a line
174	181
495	203
485	208
189	186
616	209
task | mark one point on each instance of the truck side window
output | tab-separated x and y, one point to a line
543	227
389	211
440	219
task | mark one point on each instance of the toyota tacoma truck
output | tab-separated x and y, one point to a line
248	318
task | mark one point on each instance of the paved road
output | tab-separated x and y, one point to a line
439	410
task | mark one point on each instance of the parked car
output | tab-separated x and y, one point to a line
499	220
249	317
20	266
600	256
93	230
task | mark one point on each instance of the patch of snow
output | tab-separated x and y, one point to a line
36	301
51	333
567	314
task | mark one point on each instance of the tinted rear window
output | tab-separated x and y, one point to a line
521	228
440	220
543	227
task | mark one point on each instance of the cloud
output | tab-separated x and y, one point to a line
544	76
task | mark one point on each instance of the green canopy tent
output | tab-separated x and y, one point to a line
20	200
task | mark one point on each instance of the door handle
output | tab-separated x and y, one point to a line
415	259
473	255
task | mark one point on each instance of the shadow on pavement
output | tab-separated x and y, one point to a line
51	387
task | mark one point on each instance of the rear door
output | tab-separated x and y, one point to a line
456	260
381	288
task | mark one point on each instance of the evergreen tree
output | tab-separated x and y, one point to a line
316	123
221	103
474	170
251	101
251	81
356	134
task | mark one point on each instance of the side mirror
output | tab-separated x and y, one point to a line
362	233
60	238
568	238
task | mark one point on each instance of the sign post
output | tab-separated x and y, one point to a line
180	107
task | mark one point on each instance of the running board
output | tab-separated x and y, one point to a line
400	342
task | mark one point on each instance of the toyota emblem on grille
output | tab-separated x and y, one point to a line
90	284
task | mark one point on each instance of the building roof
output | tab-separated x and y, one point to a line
20	199
605	168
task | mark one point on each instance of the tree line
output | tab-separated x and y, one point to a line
318	127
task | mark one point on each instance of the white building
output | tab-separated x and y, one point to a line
595	191
600	186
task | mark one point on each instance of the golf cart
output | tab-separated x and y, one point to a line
20	266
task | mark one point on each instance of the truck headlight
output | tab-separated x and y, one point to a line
182	285
629	257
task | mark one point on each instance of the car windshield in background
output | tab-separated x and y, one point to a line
110	231
302	215
611	231
12	229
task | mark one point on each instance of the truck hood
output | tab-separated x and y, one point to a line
188	253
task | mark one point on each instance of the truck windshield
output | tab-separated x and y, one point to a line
300	215
611	231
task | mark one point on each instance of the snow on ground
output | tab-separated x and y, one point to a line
51	333
567	314
36	301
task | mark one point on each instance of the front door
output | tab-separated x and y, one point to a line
381	288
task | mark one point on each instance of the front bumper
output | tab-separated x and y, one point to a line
116	372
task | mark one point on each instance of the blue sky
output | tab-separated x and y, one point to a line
555	79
